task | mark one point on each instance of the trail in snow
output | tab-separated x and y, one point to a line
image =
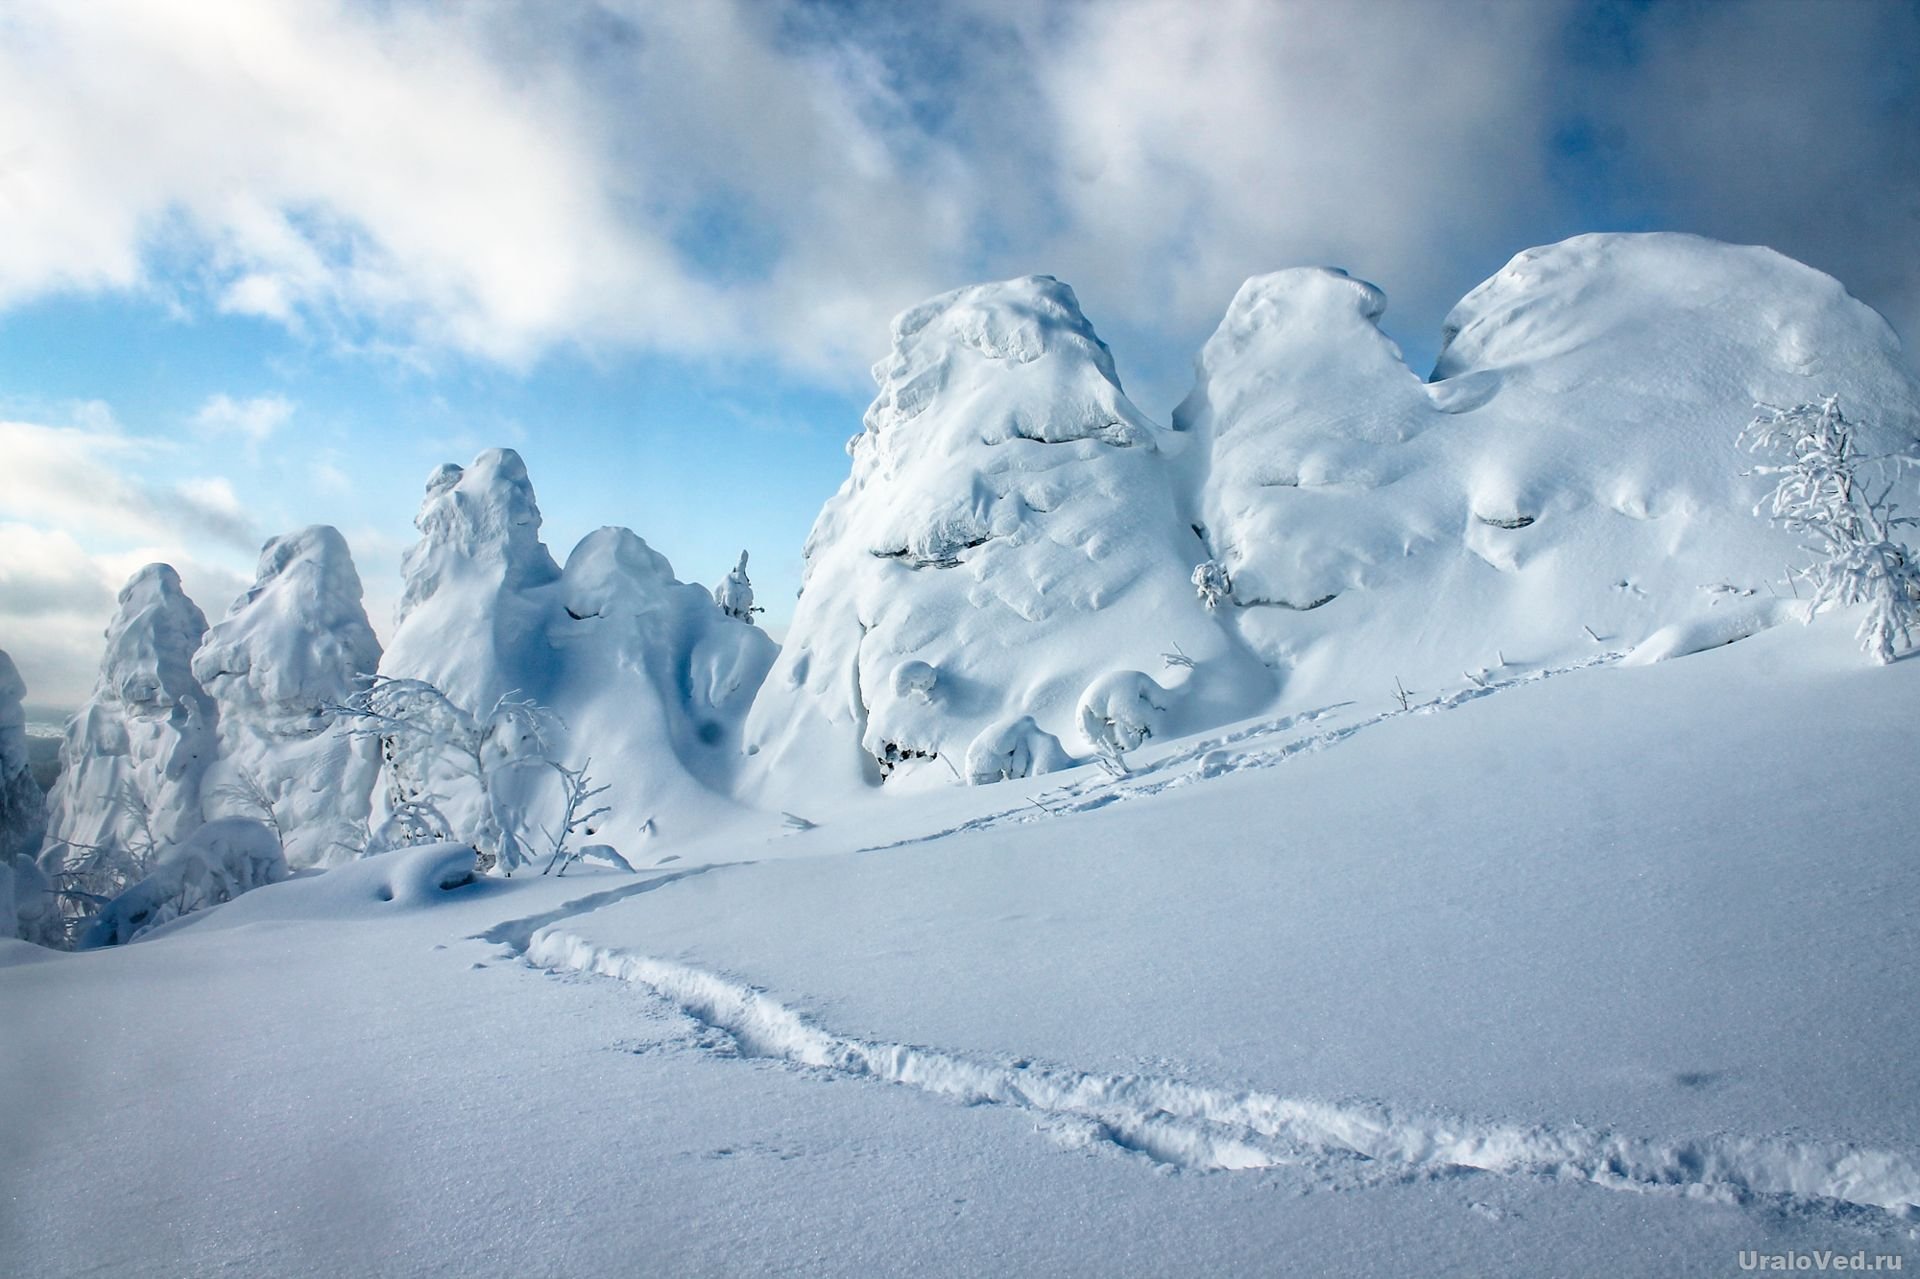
516	933
1332	1145
1217	756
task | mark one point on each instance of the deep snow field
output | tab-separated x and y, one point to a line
1601	970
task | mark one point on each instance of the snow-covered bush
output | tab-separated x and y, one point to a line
734	595
427	740
1122	709
1826	492
1011	748
225	858
1211	584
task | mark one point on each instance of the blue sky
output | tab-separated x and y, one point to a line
267	262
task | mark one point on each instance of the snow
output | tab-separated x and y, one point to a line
296	643
1010	534
137	752
1571	471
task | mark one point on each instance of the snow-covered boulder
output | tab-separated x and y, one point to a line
296	643
1010	534
23	808
1570	472
136	754
638	673
226	857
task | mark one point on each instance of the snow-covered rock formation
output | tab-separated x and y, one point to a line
647	678
297	642
1570	472
136	753
1009	536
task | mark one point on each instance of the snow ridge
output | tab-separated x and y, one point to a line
1335	1145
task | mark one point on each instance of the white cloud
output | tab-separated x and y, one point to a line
253	419
734	178
86	478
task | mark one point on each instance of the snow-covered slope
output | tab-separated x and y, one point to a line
1556	978
136	753
297	641
649	679
23	811
1571	466
1009	537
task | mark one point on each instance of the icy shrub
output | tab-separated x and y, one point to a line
1825	492
1211	583
1122	709
734	595
224	858
1013	748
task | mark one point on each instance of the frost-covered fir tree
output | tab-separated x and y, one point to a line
1839	498
734	595
296	642
135	755
1010	534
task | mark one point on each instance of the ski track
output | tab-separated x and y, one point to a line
1333	1146
1210	757
516	933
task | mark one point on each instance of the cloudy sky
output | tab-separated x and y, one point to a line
265	262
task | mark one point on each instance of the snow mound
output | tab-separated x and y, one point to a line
23	812
404	880
1569	477
226	857
295	643
136	753
646	678
1010	534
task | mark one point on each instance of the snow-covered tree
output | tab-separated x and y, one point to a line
297	641
23	808
1012	530
136	754
1839	498
734	595
647	675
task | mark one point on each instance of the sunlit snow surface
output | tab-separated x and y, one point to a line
1601	969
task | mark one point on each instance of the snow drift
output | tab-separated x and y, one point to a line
1008	537
1569	477
137	752
296	643
646	676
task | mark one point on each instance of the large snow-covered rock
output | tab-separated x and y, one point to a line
136	754
1009	536
647	677
295	643
1571	467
